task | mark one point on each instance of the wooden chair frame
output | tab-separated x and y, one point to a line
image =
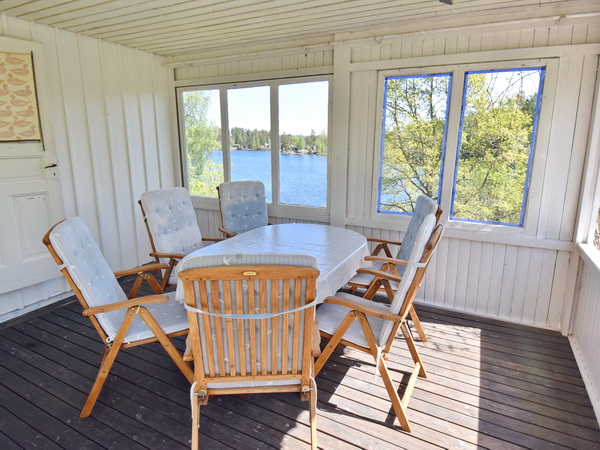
134	307
226	371
388	272
358	311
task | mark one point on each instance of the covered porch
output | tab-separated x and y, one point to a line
512	310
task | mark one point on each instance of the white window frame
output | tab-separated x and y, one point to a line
275	207
454	112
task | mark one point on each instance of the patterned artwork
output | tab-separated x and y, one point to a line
19	120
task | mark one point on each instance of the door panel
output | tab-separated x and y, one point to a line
30	196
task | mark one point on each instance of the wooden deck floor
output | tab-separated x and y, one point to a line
490	385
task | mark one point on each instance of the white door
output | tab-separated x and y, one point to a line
30	196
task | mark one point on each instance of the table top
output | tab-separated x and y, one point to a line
338	251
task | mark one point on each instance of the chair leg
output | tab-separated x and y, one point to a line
195	422
417	323
412	348
399	406
313	416
107	362
166	343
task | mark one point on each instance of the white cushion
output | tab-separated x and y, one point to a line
171	220
243	205
91	273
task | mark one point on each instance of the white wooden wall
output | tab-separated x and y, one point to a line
517	277
115	135
585	338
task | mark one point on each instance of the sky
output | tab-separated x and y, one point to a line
302	108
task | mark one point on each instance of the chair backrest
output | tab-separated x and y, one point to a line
85	268
423	208
171	221
243	205
247	339
426	240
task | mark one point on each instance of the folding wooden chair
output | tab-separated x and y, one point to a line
371	327
371	279
172	227
251	319
119	321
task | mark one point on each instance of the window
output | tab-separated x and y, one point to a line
277	132
490	148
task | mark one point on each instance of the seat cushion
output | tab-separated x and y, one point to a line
423	208
84	261
171	220
243	205
331	316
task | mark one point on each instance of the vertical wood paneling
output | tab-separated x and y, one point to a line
109	107
586	333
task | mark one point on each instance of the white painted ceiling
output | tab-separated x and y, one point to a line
207	28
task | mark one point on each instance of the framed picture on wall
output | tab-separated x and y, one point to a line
19	115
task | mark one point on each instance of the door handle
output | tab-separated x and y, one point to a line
51	165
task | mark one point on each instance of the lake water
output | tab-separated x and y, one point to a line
303	178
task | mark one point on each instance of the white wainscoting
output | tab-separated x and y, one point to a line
114	127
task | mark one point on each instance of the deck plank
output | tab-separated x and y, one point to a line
491	385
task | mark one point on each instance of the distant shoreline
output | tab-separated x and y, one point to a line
300	152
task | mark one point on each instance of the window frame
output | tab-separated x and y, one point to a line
451	144
276	208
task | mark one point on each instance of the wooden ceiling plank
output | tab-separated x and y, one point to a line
85	9
258	20
189	9
323	24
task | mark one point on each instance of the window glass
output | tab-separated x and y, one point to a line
250	135
303	119
301	145
413	139
201	111
499	116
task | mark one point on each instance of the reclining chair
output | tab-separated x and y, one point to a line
251	319
172	227
120	322
371	326
371	278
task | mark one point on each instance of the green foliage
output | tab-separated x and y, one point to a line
414	135
494	154
201	138
494	151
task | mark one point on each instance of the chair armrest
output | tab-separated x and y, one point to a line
141	269
380	274
125	304
355	306
383	259
227	233
383	241
167	255
214	239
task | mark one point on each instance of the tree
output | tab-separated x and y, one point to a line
201	139
414	124
497	125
